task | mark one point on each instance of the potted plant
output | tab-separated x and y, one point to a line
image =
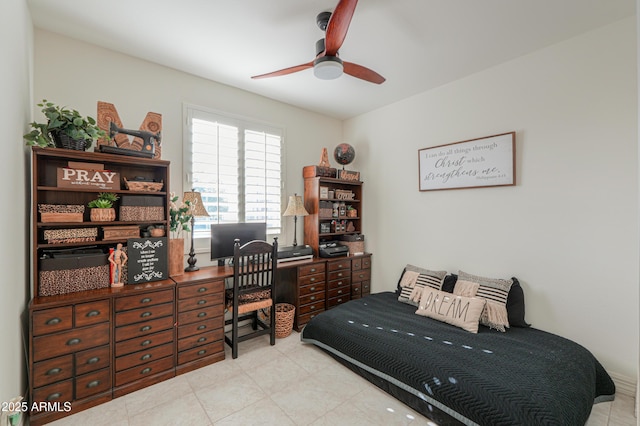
179	217
102	207
352	211
65	128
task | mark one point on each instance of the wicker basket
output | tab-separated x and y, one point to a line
73	235
284	319
60	212
62	140
133	185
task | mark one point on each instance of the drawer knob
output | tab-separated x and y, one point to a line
145	314
339	300
74	341
145	300
202	339
93	360
312	298
312	279
340	274
202	352
53	371
54	321
54	396
145	343
312	307
93	313
145	328
202	314
93	384
313	269
340	291
312	288
145	357
202	327
146	371
202	289
201	302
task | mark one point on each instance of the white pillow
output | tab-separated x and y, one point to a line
463	312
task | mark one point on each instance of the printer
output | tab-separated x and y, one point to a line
332	249
289	253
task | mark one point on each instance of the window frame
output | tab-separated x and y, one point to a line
202	240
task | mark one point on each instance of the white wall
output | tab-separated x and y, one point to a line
568	230
16	48
73	73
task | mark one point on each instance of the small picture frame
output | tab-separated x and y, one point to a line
324	192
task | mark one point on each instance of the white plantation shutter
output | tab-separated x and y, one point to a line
236	166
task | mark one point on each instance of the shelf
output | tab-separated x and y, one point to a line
86	224
331	234
336	200
117	191
324	219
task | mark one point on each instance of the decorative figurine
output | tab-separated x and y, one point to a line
118	258
324	159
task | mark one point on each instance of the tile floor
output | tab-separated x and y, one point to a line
290	383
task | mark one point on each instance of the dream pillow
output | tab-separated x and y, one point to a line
414	279
460	311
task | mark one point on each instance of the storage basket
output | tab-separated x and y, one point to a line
70	235
141	208
60	212
62	140
285	314
137	185
71	273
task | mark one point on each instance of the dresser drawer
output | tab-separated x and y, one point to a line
145	342
335	301
58	392
200	352
66	342
200	314
311	279
356	290
144	299
142	371
143	314
339	264
303	319
199	327
366	287
93	383
200	301
308	289
92	359
340	292
339	274
311	269
52	370
366	262
341	282
143	328
311	298
52	320
356	263
313	307
200	289
361	275
91	313
143	356
200	339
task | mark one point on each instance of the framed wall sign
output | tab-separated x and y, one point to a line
147	259
475	163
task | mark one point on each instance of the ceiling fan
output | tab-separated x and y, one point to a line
328	65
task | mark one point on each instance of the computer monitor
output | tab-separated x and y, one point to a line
223	236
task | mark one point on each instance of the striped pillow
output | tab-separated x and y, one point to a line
415	279
495	292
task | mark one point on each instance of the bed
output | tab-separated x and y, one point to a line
523	376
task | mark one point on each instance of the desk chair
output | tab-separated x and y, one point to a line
254	277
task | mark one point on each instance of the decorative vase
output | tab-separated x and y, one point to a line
176	256
103	215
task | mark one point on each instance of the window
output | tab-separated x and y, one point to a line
236	166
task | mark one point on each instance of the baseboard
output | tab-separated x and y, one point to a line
624	385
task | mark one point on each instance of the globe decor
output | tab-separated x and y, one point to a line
345	154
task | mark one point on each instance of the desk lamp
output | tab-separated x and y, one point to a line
295	208
200	211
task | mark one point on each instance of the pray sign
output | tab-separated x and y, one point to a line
80	178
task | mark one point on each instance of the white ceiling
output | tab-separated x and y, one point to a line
415	44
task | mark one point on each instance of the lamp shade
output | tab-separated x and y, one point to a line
295	207
196	203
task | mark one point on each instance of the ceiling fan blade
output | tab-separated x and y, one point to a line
362	73
285	71
338	26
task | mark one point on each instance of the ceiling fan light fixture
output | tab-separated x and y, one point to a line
328	68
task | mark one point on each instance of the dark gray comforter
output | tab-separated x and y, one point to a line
522	377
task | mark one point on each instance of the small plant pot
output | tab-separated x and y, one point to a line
62	140
103	215
352	213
